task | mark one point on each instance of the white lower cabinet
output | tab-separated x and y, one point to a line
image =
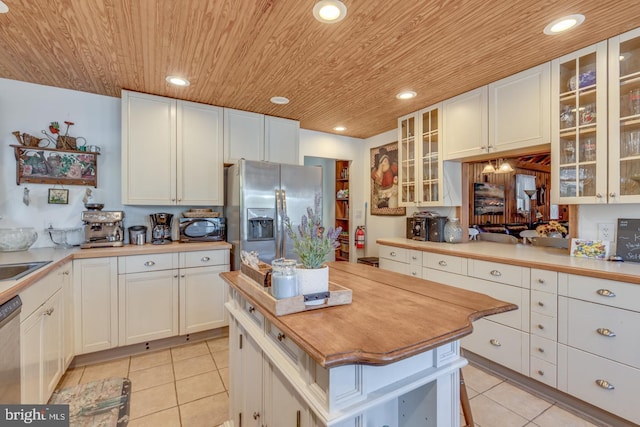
42	338
95	284
273	383
501	344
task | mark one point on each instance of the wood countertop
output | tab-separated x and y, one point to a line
391	317
526	256
59	257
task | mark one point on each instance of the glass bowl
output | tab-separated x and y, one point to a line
17	239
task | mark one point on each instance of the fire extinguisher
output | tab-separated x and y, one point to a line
360	237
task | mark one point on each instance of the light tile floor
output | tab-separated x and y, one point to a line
187	386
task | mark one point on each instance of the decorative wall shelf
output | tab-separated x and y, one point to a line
41	165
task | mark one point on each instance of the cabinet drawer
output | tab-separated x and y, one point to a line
543	371
544	348
253	312
448	263
544	303
39	292
414	257
393	253
584	370
544	280
601	291
151	262
204	258
285	344
498	343
589	324
501	273
544	326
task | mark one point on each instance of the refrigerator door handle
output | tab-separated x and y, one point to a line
283	239
278	222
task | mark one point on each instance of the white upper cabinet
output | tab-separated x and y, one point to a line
424	178
171	151
519	110
253	136
624	118
465	125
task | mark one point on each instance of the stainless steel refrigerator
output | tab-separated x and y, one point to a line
259	197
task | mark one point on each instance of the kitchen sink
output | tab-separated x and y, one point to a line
16	271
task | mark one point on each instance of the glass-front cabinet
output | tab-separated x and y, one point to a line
420	174
624	118
579	124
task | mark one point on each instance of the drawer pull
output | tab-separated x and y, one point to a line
540	303
606	332
442	263
541	281
413	273
281	336
540	349
149	264
605	293
540	326
540	372
413	257
48	312
256	415
605	384
495	273
251	309
392	254
495	342
205	259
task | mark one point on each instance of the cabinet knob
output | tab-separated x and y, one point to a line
540	372
281	336
66	273
205	259
599	196
392	254
149	264
540	303
251	309
495	342
612	195
413	273
541	281
442	263
606	332
540	350
256	415
605	384
605	293
495	273
182	276
540	326
48	312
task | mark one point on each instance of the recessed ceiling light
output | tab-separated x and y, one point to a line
407	94
340	128
329	11
178	81
563	24
280	100
3	7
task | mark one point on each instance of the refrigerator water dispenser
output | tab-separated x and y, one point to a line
260	223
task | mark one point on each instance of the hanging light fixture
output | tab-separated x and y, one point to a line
504	167
488	168
329	11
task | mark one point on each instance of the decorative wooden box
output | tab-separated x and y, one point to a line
261	275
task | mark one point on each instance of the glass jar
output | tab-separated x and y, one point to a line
284	282
453	231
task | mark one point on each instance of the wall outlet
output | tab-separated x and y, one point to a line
606	231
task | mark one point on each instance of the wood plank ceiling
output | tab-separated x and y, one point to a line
240	53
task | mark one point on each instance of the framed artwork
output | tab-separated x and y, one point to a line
41	165
488	199
58	196
384	181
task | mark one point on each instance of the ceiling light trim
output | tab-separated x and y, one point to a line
339	128
329	11
3	7
178	81
564	24
406	94
280	100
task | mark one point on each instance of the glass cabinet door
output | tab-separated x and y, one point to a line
624	109
407	154
579	145
430	157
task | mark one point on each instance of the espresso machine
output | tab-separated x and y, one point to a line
161	228
102	229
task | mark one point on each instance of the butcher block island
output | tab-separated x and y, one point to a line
390	357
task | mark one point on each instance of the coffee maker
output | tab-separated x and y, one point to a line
102	229
161	228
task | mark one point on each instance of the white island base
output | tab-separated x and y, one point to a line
273	383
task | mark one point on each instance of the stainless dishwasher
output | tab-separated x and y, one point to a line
10	351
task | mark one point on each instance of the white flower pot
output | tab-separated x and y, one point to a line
313	280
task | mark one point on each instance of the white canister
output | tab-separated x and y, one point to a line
284	281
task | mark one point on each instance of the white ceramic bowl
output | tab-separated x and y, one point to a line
17	239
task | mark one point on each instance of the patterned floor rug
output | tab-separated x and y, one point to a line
103	403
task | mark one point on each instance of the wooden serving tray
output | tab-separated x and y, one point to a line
338	295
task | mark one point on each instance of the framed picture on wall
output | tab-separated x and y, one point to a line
58	196
488	199
384	181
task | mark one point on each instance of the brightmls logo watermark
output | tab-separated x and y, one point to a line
34	415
